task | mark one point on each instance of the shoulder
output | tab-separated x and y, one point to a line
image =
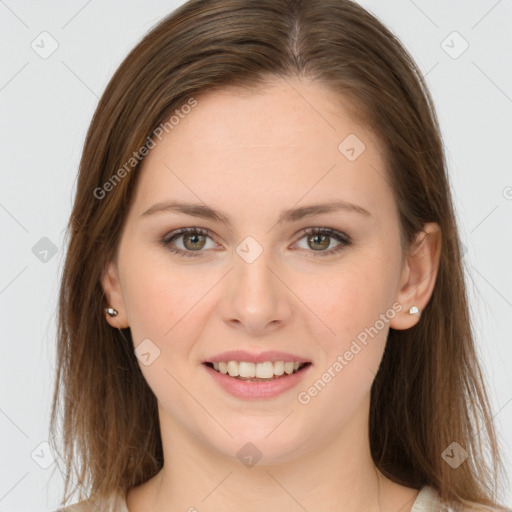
83	506
114	503
428	500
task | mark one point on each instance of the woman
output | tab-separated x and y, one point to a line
263	305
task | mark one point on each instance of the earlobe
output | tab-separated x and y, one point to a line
113	306
419	276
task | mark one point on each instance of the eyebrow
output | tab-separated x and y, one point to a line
289	216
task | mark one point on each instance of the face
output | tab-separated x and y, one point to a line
322	287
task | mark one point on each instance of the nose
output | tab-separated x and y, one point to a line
256	298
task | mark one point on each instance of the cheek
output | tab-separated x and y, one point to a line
159	296
350	298
351	357
162	303
151	305
355	302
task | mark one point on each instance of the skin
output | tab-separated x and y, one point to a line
252	155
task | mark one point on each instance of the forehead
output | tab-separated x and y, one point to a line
288	113
279	145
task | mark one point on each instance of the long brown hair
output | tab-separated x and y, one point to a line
429	391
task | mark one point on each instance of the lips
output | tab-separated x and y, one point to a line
255	388
261	357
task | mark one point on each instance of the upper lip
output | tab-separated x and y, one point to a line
261	357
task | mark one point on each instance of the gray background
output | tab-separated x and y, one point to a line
47	103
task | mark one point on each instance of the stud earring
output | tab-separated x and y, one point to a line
111	312
414	311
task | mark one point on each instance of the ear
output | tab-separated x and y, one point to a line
114	296
419	275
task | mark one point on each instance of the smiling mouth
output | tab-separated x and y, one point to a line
247	371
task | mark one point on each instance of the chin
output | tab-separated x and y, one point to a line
260	449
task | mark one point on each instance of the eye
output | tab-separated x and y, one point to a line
194	241
320	238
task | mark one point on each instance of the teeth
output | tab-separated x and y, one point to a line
233	369
279	367
265	370
288	368
247	369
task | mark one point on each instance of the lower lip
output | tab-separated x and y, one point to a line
264	389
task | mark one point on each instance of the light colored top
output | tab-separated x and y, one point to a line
426	501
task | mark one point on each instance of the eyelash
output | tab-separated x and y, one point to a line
344	240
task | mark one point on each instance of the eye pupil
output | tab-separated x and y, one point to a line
189	236
316	237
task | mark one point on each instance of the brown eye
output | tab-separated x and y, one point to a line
194	241
320	241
